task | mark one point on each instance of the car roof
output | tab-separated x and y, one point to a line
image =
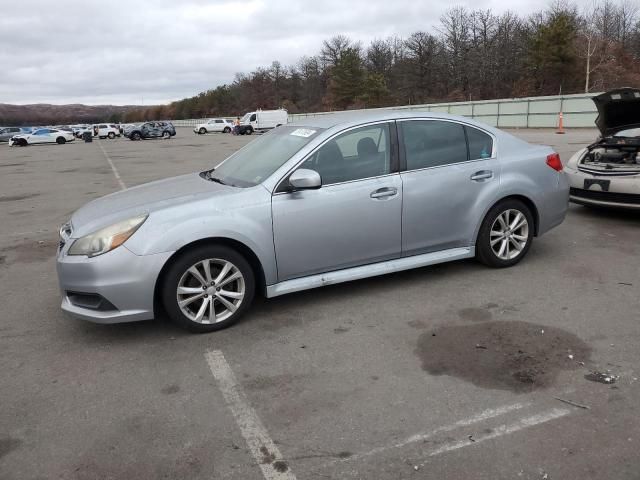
352	118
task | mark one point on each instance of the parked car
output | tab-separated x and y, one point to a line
7	132
607	172
104	130
214	125
164	130
262	120
42	135
330	199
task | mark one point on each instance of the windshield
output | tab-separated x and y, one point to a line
259	159
245	119
631	132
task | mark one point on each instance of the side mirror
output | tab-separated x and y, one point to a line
305	179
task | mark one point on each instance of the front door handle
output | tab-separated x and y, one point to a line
482	175
384	192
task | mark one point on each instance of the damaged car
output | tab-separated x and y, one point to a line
607	172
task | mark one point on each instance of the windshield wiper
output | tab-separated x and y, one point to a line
217	180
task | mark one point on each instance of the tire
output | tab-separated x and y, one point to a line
135	136
166	135
179	275
22	142
61	140
249	131
496	225
226	130
111	135
202	131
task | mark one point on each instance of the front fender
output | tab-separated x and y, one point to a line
250	224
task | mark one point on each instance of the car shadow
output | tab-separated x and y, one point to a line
605	213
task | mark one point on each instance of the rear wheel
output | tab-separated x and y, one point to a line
202	131
505	235
111	135
208	288
61	140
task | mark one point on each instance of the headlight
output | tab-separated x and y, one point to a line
106	239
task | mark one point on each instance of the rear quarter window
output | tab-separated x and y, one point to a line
480	143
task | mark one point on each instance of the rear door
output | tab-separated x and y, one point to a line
450	177
354	218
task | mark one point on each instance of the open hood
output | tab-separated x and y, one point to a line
618	110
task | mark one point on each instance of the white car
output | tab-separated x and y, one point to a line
607	172
104	130
214	125
42	135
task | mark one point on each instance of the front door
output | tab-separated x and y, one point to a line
451	177
354	218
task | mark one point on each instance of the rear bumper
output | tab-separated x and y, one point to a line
125	280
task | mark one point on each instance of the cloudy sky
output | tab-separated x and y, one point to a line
161	50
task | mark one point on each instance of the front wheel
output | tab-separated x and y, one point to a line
226	130
61	140
135	136
208	288
505	235
202	131
166	135
249	131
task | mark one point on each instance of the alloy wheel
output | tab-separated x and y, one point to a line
210	291
509	234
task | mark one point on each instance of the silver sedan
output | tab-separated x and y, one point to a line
331	199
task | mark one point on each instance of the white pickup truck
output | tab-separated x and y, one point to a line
262	120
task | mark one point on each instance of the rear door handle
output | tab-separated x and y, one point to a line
482	175
384	192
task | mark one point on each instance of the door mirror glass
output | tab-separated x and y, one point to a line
304	179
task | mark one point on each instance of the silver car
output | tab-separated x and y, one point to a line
330	199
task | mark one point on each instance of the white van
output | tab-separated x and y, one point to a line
261	120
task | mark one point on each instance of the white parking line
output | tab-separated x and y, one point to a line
420	437
500	431
255	434
113	167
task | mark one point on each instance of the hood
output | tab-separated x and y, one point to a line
617	110
143	199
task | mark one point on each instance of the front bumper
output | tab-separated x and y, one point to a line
125	280
604	199
615	191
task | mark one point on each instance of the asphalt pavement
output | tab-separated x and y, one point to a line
446	372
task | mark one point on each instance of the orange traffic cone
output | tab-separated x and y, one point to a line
560	127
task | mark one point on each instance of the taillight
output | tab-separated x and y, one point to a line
553	160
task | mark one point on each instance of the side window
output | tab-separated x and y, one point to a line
357	154
253	118
218	121
480	144
430	143
43	131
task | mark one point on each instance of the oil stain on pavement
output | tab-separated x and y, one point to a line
516	356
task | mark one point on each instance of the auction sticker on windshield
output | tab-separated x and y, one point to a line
303	132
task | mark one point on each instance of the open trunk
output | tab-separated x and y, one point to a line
612	156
